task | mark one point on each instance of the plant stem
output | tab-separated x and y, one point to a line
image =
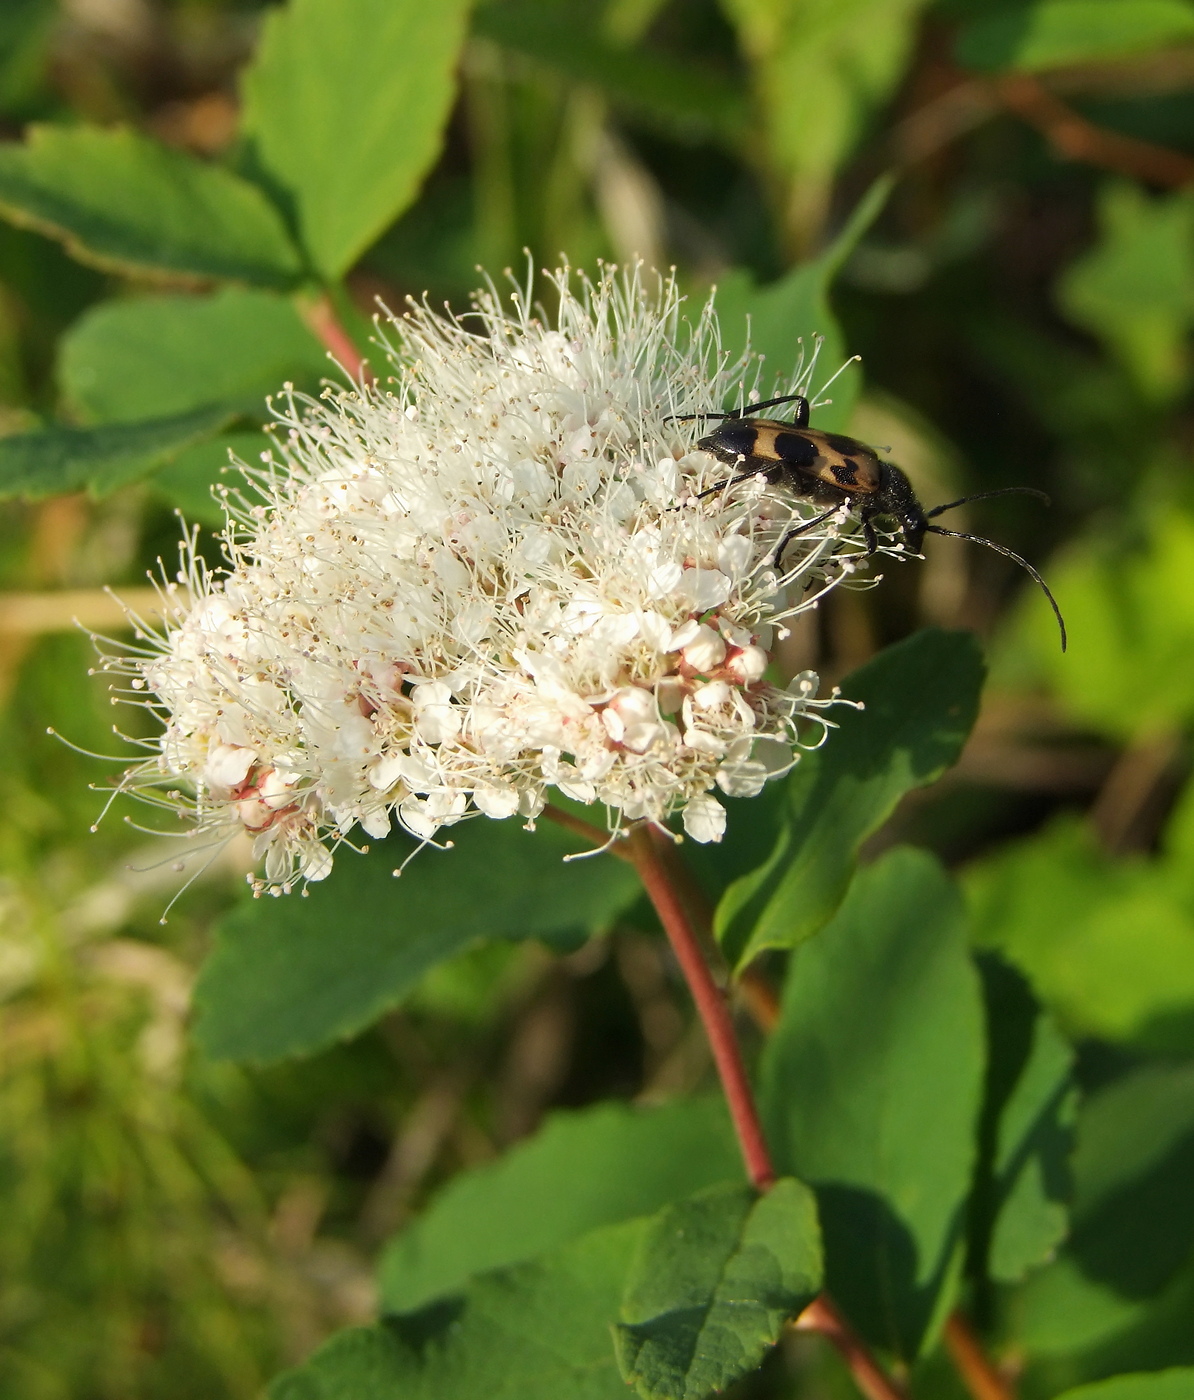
324	322
821	1316
663	889
711	1004
982	1380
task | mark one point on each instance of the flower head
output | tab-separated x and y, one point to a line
488	578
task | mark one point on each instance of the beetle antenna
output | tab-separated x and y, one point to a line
737	412
984	495
768	403
1023	563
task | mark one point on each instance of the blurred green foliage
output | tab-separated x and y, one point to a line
987	1079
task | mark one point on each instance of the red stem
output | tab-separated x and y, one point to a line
324	322
711	1004
640	847
821	1316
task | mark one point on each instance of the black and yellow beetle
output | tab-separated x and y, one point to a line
832	469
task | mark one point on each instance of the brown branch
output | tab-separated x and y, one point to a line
1075	138
972	101
982	1380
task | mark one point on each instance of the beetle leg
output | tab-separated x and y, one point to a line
868	533
799	530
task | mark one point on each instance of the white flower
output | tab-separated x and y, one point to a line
489	578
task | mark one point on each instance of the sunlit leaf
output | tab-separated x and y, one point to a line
126	204
1055	33
713	1281
1135	288
872	1084
153	356
616	1162
1174	1384
820	71
346	103
1125	673
537	1331
919	700
1108	946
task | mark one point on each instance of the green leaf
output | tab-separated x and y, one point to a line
1060	32
289	976
1132	1245
186	482
153	356
678	96
1126	672
1134	1161
1021	1200
1108	946
1135	289
787	316
713	1281
920	699
580	1171
46	463
820	71
537	1331
124	203
346	103
871	1089
1174	1384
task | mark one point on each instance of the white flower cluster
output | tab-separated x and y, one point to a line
487	579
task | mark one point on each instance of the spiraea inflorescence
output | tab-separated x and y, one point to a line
488	577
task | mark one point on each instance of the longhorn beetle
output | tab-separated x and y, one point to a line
829	467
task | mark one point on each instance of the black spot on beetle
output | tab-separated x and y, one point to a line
796	450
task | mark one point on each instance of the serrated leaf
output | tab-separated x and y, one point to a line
713	1281
787	316
1061	32
537	1331
124	203
920	700
580	1171
1175	1384
54	460
346	103
159	355
289	976
871	1089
